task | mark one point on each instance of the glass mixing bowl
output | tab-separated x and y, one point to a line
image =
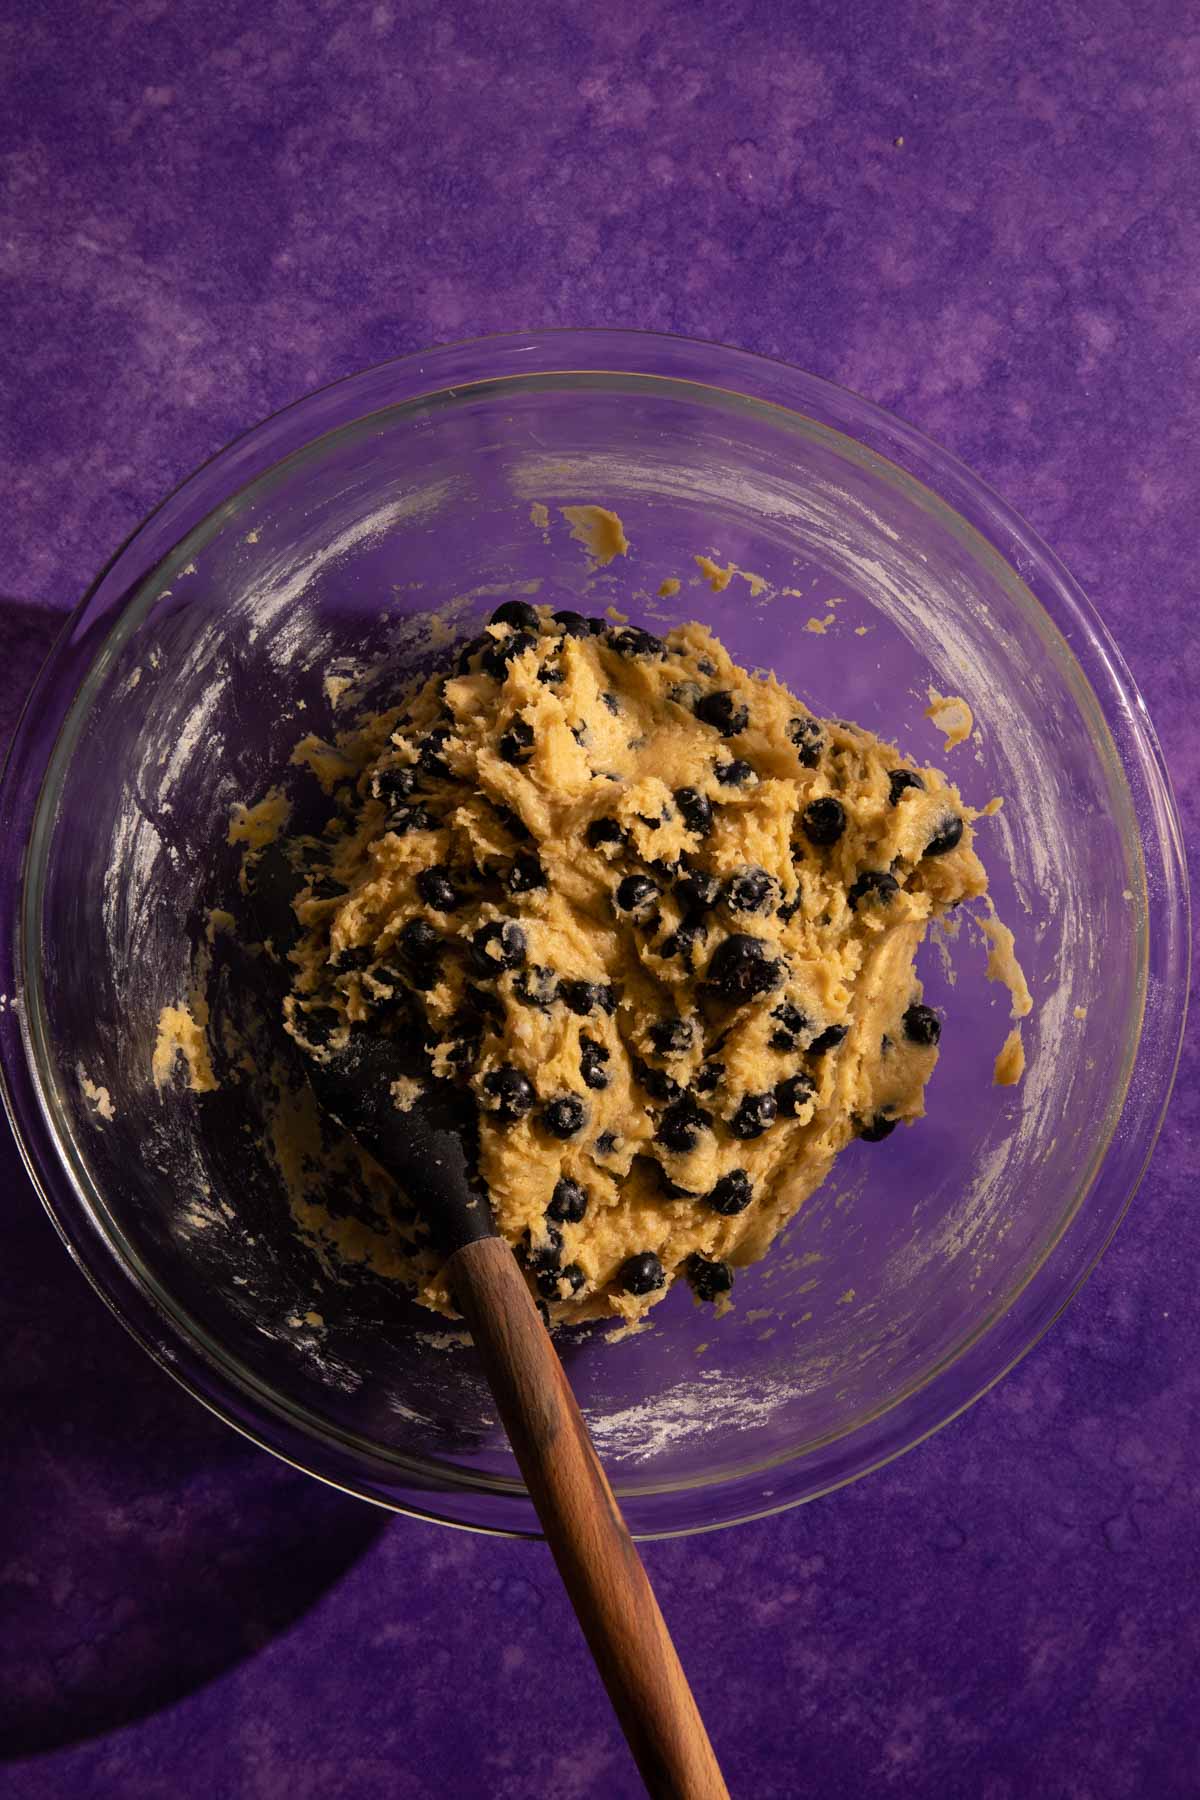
384	517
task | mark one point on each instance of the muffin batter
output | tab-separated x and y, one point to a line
659	918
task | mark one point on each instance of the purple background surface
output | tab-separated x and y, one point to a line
986	218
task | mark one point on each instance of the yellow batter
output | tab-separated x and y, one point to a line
658	917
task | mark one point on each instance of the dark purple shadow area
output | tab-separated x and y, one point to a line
144	1546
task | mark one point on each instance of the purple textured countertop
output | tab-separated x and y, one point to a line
987	219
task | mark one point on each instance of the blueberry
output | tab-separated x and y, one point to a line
922	1026
732	1193
516	744
568	1202
536	987
734	774
656	1082
790	908
389	977
582	997
358	956
641	1274
550	675
682	940
635	893
809	740
612	703
549	1282
525	874
792	1095
790	1023
408	818
631	640
742	968
723	711
671	1037
510	1092
710	1076
500	652
830	1038
755	1113
430	760
592	1058
708	1279
946	837
603	831
498	945
543	1312
545	1255
878	1129
875	885
574	624
316	1024
697	890
823	821
437	890
606	1143
419	941
565	1116
680	1126
517	613
695	809
899	780
391	785
585	996
749	890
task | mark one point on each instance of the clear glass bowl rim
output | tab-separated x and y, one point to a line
643	355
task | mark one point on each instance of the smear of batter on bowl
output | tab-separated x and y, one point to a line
184	1033
820	626
669	588
1010	1063
1002	964
539	515
328	763
260	824
950	715
98	1098
218	920
717	578
599	530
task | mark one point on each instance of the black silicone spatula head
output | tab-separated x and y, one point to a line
380	1089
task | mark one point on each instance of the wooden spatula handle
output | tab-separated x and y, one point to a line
596	1556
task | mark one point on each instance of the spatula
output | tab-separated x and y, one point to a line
426	1149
